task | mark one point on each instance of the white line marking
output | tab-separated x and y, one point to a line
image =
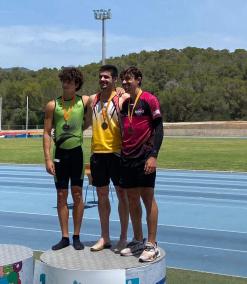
47	230
197	246
97	235
204	205
117	220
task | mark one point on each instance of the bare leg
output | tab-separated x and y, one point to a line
63	215
104	209
78	208
123	211
147	195
63	211
135	210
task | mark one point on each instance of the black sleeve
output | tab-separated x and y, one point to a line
158	136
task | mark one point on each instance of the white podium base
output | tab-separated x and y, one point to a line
16	264
68	266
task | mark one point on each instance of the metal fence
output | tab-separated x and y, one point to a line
21	127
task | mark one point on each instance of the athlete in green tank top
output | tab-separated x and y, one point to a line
66	116
68	134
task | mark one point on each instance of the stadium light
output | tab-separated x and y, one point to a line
102	15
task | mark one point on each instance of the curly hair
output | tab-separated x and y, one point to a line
71	74
131	71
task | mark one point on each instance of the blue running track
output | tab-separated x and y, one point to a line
202	216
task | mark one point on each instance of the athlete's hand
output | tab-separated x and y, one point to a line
50	168
150	165
120	91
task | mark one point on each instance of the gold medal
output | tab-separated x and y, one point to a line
130	113
104	125
104	109
67	113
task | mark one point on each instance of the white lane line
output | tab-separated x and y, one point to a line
97	235
203	247
204	205
32	180
201	179
28	193
28	213
162	170
51	231
179	189
202	229
117	220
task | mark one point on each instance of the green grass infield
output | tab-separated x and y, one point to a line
222	154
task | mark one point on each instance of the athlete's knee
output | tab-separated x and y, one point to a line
103	192
122	195
62	198
76	195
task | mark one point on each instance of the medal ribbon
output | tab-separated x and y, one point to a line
130	114
67	113
103	108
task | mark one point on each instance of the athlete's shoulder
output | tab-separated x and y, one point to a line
85	100
50	105
93	99
148	96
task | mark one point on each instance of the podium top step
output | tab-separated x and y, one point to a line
71	259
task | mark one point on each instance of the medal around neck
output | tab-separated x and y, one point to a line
104	125
66	127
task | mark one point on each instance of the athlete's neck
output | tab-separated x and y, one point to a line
105	94
68	97
134	94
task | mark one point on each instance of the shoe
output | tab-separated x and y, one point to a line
133	248
150	253
99	246
64	242
121	244
77	244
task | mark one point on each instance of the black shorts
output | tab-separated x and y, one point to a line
132	173
105	167
68	166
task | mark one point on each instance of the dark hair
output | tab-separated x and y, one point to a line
131	71
71	74
110	68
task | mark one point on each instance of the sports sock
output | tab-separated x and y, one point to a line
64	242
77	244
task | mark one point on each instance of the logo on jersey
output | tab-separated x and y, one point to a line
156	112
139	111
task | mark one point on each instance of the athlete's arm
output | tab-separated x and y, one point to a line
48	123
88	114
120	91
124	97
151	163
158	136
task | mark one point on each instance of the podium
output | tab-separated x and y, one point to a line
69	266
16	264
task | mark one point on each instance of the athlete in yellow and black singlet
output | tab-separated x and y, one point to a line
106	141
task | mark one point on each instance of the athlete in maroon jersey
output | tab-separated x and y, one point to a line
142	135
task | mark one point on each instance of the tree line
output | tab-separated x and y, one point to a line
192	84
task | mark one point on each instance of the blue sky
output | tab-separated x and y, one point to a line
55	33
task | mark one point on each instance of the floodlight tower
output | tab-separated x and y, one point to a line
102	15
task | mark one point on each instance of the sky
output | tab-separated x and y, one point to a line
54	33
